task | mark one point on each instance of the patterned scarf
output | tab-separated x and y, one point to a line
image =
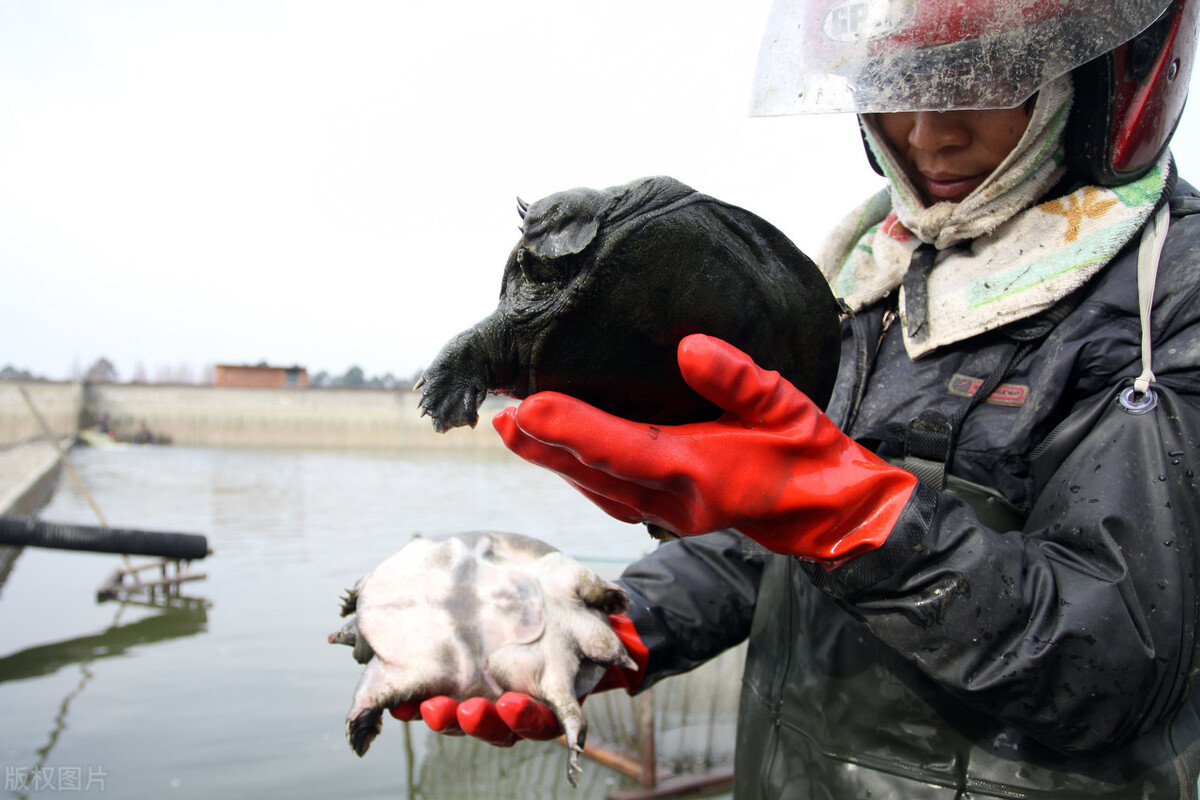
997	259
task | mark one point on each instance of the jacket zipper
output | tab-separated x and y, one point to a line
889	317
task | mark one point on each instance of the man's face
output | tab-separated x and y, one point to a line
946	154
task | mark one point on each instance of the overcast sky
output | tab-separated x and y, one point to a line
333	184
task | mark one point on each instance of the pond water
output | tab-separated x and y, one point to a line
232	690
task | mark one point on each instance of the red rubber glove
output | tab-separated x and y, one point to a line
515	716
773	466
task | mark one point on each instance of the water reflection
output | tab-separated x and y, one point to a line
173	622
177	617
456	768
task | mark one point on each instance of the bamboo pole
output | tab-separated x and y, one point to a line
62	454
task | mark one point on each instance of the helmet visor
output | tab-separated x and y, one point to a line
871	56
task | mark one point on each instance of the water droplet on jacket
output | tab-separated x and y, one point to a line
1075	489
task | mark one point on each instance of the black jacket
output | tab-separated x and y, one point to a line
960	660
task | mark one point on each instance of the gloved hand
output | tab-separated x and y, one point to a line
515	716
773	466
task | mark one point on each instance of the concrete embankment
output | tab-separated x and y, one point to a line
28	472
239	417
29	462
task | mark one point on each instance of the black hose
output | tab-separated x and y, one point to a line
30	532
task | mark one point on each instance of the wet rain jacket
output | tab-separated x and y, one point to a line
959	660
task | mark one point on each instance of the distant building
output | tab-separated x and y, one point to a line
260	376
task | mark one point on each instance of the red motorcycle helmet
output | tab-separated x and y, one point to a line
1129	100
1130	61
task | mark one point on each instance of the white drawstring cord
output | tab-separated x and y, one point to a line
1149	251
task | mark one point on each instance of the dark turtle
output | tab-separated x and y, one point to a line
475	615
604	284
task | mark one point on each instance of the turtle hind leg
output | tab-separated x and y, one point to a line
574	726
557	692
365	720
547	673
384	686
361	729
574	748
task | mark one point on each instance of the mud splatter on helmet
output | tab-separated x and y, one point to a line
1131	62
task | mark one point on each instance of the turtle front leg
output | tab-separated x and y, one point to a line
455	385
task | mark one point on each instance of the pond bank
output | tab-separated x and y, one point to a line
28	473
222	416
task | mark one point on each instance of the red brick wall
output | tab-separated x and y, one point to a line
260	377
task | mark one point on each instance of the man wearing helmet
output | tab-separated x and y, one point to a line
975	574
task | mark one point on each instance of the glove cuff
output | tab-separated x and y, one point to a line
851	523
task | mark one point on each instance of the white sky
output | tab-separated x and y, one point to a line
329	184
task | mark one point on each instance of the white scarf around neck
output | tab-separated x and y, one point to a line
1000	258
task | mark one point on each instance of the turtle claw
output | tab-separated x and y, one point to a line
452	403
573	768
349	601
574	771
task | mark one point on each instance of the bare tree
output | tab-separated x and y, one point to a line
102	371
